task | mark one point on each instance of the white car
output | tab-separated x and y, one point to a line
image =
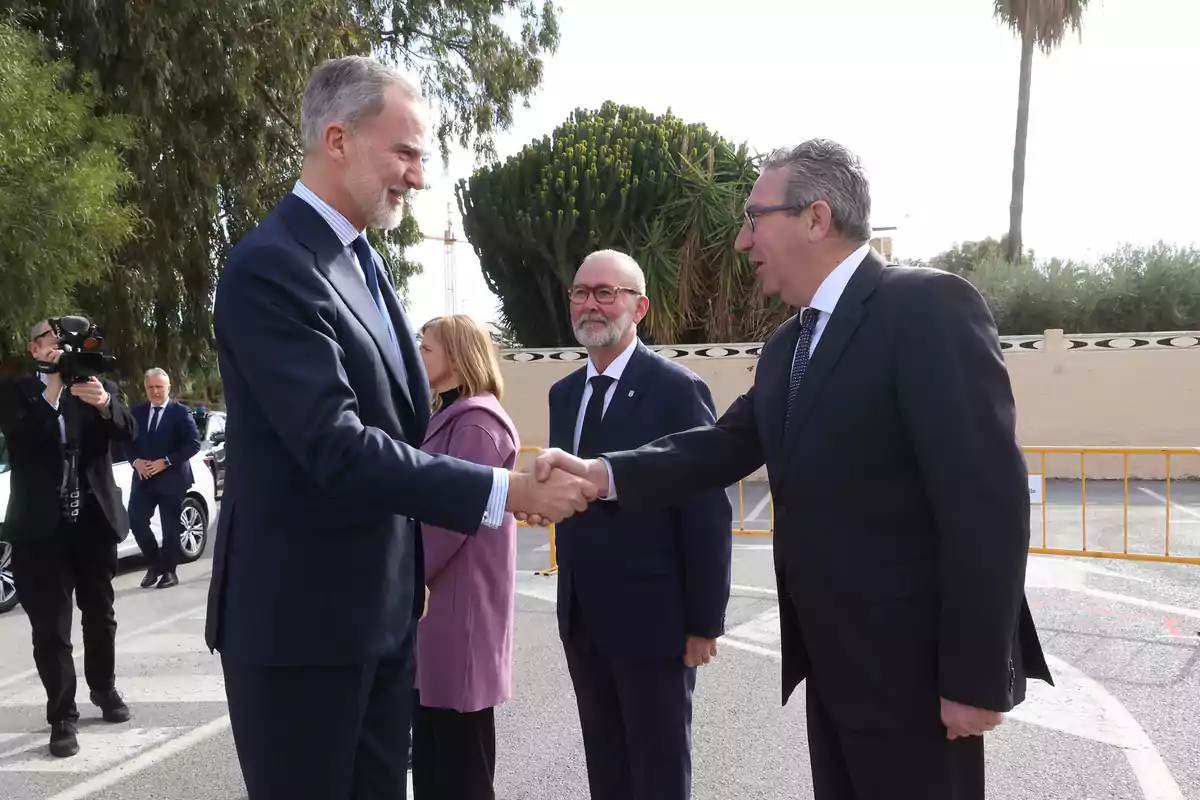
199	509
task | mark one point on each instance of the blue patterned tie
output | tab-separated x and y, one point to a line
808	322
362	249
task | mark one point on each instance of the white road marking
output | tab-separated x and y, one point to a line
1082	707
753	547
97	751
758	509
121	641
140	690
724	641
143	761
1191	512
762	630
165	644
760	590
543	548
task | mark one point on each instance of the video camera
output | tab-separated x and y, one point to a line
79	339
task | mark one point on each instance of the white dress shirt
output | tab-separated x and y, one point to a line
825	300
493	515
614	371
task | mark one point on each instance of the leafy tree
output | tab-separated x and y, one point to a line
1044	24
667	192
215	87
1133	289
59	178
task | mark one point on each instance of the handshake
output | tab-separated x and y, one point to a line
560	485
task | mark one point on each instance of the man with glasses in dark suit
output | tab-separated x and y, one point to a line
885	417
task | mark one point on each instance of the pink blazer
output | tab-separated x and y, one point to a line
465	642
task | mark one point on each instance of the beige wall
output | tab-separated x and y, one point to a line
1131	390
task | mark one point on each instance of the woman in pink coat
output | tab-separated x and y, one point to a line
465	640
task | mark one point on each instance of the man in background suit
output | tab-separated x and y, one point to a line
327	405
167	439
641	594
884	414
54	555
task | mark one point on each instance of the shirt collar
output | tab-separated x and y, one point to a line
342	227
830	291
617	366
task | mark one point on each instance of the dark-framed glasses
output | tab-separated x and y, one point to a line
753	212
605	295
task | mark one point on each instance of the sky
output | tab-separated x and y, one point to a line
924	91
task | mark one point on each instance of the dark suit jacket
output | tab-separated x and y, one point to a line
317	560
644	579
175	438
36	455
901	500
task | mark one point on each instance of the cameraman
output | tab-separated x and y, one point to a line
53	554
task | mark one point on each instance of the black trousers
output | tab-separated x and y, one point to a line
143	499
454	754
323	732
891	764
636	716
79	559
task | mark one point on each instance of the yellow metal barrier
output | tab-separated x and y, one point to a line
1167	453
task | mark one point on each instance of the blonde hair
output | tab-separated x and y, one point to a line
470	354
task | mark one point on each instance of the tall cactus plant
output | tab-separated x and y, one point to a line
667	192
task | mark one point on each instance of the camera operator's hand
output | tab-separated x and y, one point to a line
92	392
54	382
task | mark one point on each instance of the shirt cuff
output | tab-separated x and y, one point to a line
612	486
493	515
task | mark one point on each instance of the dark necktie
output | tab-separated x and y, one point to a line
362	249
808	323
154	413
589	434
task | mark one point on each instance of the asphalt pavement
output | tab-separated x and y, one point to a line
1123	722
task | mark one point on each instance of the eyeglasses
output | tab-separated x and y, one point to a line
605	295
751	213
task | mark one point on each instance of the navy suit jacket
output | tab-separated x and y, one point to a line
644	579
317	557
175	438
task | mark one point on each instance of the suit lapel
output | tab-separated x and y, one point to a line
629	391
345	275
774	386
416	386
563	418
838	330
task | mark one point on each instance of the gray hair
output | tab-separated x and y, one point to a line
34	329
820	169
158	372
631	266
348	90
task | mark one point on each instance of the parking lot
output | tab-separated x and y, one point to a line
1122	723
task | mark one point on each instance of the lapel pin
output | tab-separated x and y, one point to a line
631	392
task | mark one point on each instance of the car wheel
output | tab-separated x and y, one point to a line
195	529
8	586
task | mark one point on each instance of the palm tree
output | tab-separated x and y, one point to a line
1044	24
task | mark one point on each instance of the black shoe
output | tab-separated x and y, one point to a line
112	705
150	579
63	740
168	580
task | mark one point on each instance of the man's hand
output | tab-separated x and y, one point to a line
962	721
699	651
91	392
141	465
591	470
553	499
54	383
